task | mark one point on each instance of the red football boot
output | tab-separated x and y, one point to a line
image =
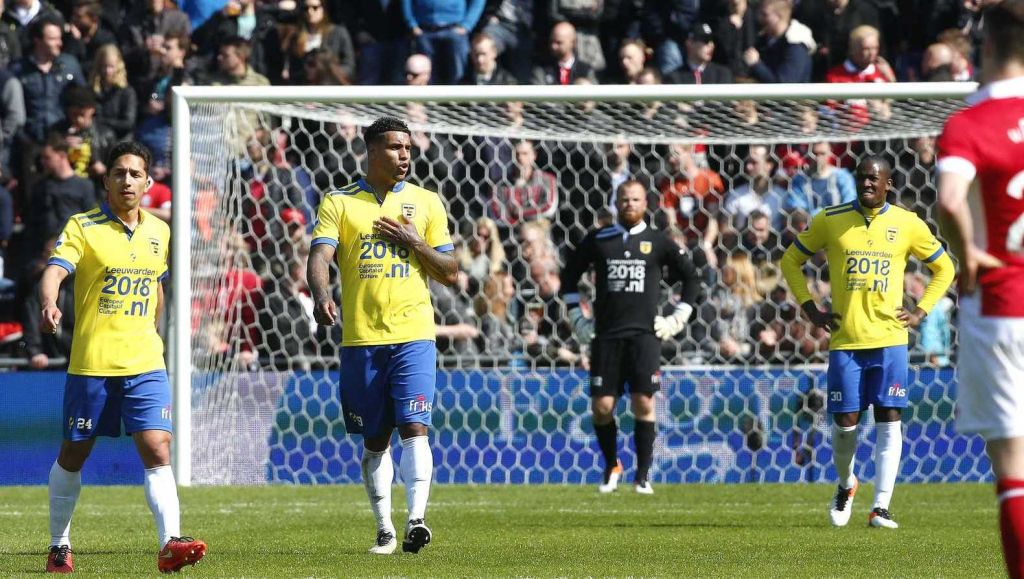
59	560
178	552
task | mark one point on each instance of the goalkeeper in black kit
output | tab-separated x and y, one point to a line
630	260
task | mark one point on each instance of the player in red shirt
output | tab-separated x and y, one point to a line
986	142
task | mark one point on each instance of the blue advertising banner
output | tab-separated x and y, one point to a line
506	426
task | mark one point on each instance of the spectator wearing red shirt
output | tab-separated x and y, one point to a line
691	197
532	194
864	64
157	200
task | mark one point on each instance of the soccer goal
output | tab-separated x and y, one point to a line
734	172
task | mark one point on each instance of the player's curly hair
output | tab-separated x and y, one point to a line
133	148
383	125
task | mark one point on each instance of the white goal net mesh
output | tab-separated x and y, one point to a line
742	395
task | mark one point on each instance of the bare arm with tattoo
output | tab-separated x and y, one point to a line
318	268
440	266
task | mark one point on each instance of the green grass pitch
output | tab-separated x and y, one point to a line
947	530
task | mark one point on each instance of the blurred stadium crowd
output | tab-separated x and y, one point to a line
76	76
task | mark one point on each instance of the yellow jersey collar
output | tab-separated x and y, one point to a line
870	214
397	188
105	208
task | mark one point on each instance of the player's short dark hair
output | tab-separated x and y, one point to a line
386	124
1004	26
35	29
883	162
133	148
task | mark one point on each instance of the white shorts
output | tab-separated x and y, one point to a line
990	398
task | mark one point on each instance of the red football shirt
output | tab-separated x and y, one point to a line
158	197
986	140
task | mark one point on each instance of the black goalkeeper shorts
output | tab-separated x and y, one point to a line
615	362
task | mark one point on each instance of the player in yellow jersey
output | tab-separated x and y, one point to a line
390	237
867	243
117	375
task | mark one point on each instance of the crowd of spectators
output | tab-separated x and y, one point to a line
76	76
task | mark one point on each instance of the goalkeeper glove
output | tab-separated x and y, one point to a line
666	327
582	326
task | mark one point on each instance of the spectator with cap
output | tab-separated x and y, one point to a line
440	30
699	68
563	67
484	68
776	58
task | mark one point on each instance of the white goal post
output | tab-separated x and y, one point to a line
915	109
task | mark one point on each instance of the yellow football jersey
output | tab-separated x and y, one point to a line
867	260
116	276
385	296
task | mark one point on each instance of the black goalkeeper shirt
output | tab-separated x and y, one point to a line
629	267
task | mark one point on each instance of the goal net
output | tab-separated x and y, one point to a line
733	173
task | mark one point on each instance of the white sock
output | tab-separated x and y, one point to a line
417	469
162	496
65	486
844	447
888	448
378	474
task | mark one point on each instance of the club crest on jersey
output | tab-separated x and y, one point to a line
890	233
408	210
645	247
154	245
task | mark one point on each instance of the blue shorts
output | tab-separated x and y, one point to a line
857	378
96	406
384	386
